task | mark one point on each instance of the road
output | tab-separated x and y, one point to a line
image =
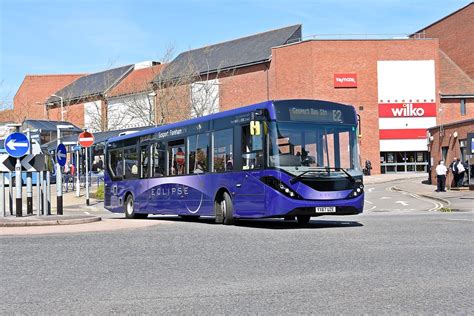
386	197
386	260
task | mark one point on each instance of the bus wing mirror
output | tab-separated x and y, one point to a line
255	128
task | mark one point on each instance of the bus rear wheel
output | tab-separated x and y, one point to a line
303	219
130	209
224	210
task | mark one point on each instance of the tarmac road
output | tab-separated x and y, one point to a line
378	262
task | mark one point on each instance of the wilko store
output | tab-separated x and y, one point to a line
407	107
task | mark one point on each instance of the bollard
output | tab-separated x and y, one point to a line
45	195
38	193
10	195
48	191
29	194
2	195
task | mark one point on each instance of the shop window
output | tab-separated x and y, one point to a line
444	153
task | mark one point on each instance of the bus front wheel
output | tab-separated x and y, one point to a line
224	210
130	209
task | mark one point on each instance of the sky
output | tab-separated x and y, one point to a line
86	36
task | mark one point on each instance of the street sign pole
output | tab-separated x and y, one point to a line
19	205
87	177
78	183
86	140
17	145
29	191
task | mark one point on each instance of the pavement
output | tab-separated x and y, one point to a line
76	212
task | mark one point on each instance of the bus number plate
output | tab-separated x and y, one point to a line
325	209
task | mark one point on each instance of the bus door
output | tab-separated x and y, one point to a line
250	191
142	199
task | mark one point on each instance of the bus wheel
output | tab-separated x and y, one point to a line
130	209
224	210
303	219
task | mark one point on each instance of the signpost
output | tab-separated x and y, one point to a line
61	155
17	145
86	140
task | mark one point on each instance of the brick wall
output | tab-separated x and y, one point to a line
306	70
447	139
33	92
455	34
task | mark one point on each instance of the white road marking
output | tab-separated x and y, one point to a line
366	201
370	209
461	219
402	203
371	189
87	213
385	198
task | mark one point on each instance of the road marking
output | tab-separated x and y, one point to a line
370	190
461	219
385	198
87	213
366	201
370	209
402	203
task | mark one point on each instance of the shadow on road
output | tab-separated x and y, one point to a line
268	223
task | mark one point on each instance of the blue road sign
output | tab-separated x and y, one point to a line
17	145
61	154
76	148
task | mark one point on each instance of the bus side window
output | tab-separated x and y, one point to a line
222	154
159	160
252	149
177	158
116	163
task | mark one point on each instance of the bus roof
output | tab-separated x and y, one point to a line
241	110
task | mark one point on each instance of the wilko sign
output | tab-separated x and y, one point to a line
345	80
407	109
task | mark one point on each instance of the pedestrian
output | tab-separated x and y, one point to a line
441	171
453	167
368	167
460	171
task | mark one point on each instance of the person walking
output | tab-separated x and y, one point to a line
461	170
441	171
453	167
368	167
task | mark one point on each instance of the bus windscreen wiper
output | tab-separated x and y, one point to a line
327	169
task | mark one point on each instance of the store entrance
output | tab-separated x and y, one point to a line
403	161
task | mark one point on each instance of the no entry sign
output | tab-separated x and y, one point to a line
86	139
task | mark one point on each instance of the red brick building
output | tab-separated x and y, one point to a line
29	100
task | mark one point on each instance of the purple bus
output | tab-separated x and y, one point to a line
277	159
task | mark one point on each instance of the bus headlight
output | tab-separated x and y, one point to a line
359	190
280	187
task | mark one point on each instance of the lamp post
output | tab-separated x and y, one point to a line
62	99
59	178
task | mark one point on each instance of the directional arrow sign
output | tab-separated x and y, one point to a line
86	139
17	144
61	154
32	163
6	163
